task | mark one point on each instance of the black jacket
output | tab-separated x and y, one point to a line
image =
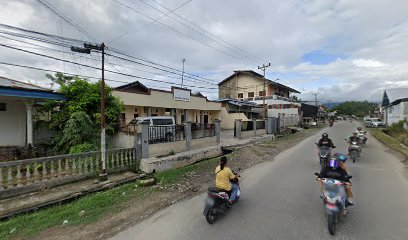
338	173
325	142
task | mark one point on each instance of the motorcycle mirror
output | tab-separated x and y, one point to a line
316	174
349	177
345	139
334	146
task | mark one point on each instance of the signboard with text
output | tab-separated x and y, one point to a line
181	95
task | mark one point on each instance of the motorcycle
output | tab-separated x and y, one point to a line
334	201
331	123
361	136
354	150
324	155
217	202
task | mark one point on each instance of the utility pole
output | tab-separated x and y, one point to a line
182	73
103	175
315	95
264	86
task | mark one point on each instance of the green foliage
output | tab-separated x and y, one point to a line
77	119
83	147
359	109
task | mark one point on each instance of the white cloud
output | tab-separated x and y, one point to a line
372	34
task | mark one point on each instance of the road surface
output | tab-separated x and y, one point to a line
280	200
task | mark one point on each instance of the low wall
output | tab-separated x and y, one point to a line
179	146
249	134
180	159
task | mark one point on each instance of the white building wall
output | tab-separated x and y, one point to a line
397	113
13	123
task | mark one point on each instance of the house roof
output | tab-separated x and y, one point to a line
11	83
251	72
133	87
394	96
13	88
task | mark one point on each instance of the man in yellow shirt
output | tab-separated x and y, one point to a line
223	177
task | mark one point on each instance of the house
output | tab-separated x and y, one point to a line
395	105
17	102
181	103
233	109
248	86
309	112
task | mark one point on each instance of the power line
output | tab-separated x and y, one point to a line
157	19
97	68
72	74
196	25
179	32
199	32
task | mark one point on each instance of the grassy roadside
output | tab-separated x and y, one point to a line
94	208
389	141
91	208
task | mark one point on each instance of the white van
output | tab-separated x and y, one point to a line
161	128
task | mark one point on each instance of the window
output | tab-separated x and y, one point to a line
122	116
240	95
3	107
251	94
261	93
165	121
135	109
135	115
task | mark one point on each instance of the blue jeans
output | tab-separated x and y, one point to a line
234	191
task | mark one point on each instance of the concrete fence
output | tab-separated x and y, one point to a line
24	176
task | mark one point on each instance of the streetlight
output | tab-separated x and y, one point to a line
103	175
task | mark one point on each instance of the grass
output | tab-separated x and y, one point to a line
389	141
95	205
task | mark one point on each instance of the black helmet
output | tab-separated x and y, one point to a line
359	128
325	135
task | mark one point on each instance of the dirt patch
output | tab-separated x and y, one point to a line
191	184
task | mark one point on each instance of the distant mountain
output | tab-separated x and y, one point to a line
331	104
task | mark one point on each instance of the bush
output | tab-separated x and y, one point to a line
83	147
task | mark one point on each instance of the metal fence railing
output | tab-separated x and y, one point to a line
162	134
202	130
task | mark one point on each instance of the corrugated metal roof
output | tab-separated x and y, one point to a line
7	82
395	94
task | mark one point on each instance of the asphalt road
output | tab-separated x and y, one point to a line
280	200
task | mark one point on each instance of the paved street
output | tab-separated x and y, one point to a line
280	200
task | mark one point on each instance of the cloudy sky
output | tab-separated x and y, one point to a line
342	49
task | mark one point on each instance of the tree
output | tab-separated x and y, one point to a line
77	119
359	109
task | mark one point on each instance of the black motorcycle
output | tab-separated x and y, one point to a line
217	202
324	155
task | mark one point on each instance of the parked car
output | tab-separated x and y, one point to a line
161	128
374	122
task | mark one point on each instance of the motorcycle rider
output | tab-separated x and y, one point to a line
325	141
223	177
342	164
360	131
334	171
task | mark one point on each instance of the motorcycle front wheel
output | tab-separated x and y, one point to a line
210	216
331	224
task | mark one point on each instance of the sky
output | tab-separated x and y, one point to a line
341	49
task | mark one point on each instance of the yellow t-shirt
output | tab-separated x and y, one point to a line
222	180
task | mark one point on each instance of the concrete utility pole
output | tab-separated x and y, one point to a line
182	73
315	95
263	67
103	175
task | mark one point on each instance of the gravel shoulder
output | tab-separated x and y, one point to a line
174	186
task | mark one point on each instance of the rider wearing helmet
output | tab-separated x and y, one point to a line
353	138
337	169
325	141
360	131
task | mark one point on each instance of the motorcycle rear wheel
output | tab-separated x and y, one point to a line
331	224
210	216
